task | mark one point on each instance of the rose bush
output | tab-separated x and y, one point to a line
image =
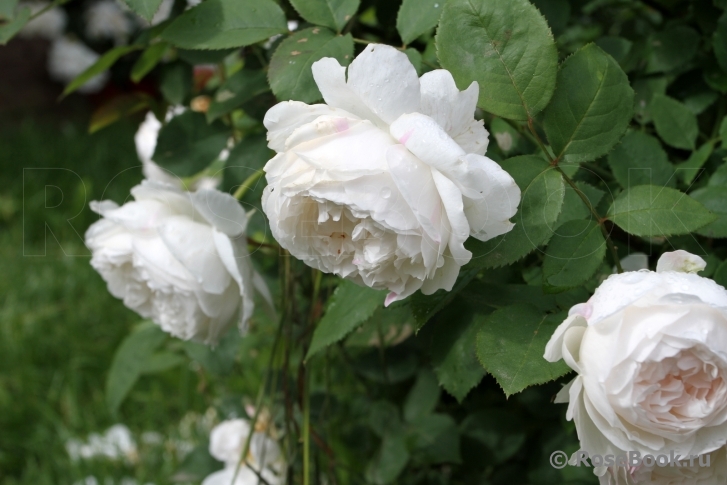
383	184
649	350
178	258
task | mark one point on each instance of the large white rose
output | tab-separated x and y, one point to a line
650	350
178	258
384	183
227	442
711	471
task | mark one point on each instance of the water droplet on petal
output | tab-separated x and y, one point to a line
386	192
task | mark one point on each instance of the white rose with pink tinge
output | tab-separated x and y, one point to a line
650	350
383	184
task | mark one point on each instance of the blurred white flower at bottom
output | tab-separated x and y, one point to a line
116	443
68	58
264	457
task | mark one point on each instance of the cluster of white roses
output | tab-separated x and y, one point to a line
650	350
382	186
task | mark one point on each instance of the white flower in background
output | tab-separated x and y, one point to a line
633	262
227	443
178	258
116	443
691	473
68	58
146	141
384	183
650	350
107	20
48	25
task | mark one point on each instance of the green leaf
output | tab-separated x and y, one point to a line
723	131
103	63
719	41
693	165
435	439
453	351
417	17
556	12
650	211
719	177
644	90
394	323
720	274
217	360
713	198
423	396
415	57
672	48
187	144
574	254
499	296
390	460
333	14
10	29
130	361
616	47
640	160
145	8
7	9
242	86
118	108
246	158
591	107
222	24
148	60
573	206
162	361
511	344
197	57
716	78
176	82
424	307
542	189
504	45
349	307
290	68
675	124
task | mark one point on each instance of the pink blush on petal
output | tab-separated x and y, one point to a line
390	298
341	124
405	137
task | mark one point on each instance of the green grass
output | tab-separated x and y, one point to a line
59	327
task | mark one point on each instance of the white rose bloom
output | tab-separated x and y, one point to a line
178	258
384	183
712	472
146	141
107	20
650	350
48	25
68	58
227	442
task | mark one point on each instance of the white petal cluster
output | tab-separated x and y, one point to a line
649	350
106	20
264	457
116	443
49	25
383	184
68	58
176	257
